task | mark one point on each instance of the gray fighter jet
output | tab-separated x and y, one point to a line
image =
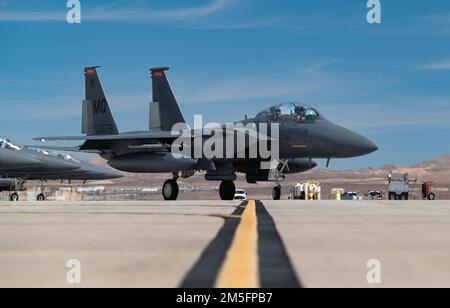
19	164
304	134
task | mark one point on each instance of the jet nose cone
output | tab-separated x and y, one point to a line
353	144
368	146
100	173
111	175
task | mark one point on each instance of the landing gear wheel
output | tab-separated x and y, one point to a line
276	193
227	190
170	190
40	198
14	197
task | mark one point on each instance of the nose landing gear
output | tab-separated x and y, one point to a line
276	193
277	175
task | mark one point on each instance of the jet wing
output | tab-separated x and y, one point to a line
62	149
153	140
150	135
98	143
120	137
135	136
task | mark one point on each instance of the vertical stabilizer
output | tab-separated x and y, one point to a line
97	116
169	111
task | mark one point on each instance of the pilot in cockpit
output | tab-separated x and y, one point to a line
291	112
275	111
300	112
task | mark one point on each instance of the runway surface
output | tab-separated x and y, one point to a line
226	244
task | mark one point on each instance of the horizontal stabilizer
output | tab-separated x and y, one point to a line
64	138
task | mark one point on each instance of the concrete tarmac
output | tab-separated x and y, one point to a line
214	243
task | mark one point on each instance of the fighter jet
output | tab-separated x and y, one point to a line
19	164
303	134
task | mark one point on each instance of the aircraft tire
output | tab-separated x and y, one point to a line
14	197
276	193
170	190
227	190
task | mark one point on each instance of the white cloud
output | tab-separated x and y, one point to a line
436	66
118	14
290	85
146	15
432	24
437	19
340	97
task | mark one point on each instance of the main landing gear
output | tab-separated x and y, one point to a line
170	190
41	189
227	190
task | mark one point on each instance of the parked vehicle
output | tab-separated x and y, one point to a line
240	195
375	195
400	189
349	196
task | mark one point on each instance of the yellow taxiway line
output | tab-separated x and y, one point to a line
240	268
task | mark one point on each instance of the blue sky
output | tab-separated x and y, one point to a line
390	82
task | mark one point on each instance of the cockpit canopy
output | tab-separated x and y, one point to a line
66	157
291	112
7	144
63	156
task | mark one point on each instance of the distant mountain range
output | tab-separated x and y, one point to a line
362	180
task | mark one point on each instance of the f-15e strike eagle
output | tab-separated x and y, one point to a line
298	133
19	164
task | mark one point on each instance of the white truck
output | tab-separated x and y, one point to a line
400	189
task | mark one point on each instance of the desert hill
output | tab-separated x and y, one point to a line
361	181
